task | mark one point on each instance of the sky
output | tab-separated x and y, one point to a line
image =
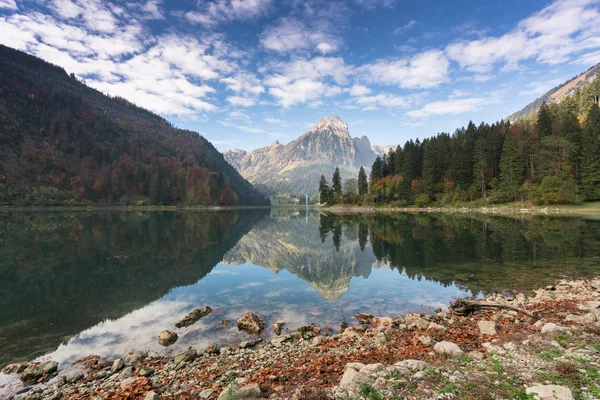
244	73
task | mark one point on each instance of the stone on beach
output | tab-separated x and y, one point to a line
487	327
447	348
278	326
36	371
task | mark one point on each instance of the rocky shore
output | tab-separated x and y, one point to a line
492	353
524	209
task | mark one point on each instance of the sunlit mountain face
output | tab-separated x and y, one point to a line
103	283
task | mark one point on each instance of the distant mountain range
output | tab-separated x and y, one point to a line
558	93
296	167
62	143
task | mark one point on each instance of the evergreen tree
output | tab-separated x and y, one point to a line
156	187
590	155
544	121
375	171
324	191
363	185
512	168
337	185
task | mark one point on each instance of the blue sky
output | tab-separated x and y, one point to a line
244	73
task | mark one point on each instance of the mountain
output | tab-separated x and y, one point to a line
385	149
297	166
62	142
558	93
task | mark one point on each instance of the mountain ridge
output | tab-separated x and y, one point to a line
296	167
64	143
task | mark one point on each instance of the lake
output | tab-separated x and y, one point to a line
79	283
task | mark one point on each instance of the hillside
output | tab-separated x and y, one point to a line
558	93
62	142
296	167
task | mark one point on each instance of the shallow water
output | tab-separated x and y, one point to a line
75	284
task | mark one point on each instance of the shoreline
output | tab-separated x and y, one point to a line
443	355
500	210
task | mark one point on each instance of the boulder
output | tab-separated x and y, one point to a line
194	316
248	392
447	348
167	338
186	356
364	318
117	365
278	326
15	368
550	392
152	396
412	365
133	357
250	343
551	327
350	334
487	327
251	323
38	370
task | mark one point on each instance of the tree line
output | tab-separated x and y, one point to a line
551	156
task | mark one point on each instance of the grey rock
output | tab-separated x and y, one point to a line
248	392
33	372
152	396
550	392
551	327
487	327
447	348
186	356
206	394
194	316
146	372
133	357
118	365
413	365
167	338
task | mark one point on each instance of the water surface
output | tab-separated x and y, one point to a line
75	284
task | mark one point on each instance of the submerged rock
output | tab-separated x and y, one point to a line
194	316
278	326
251	323
364	318
167	338
36	371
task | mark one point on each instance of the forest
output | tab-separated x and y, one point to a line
64	143
551	156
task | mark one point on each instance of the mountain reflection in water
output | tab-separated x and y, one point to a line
74	284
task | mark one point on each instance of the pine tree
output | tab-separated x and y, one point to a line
324	191
363	185
156	187
544	121
375	171
512	168
590	155
336	185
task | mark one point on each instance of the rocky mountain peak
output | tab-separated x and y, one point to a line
333	124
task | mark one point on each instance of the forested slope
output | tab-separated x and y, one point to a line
62	142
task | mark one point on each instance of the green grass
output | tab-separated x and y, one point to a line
368	392
548	354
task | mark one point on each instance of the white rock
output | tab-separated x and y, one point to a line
447	348
152	396
550	392
439	327
413	365
426	340
487	327
117	365
551	327
350	334
348	378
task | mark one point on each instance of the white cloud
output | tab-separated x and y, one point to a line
291	34
359	90
152	10
243	82
9	4
212	13
241	101
423	70
240	115
383	100
403	29
538	88
552	36
452	107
